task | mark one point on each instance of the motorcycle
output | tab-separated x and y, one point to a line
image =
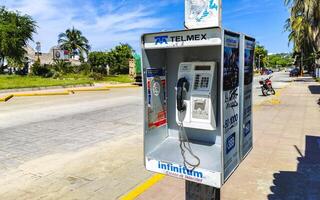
266	87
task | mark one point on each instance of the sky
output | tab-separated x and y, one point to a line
107	23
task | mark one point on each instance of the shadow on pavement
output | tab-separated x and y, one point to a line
314	89
305	182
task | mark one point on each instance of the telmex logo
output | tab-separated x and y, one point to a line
179	38
161	39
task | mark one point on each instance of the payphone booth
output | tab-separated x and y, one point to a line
197	85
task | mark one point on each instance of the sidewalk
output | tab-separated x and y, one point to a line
285	160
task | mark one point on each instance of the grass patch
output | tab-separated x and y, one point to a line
14	81
318	79
119	79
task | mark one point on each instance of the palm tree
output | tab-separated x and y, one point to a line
303	26
73	41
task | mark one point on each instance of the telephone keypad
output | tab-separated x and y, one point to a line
204	82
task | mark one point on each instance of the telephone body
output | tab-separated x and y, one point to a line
196	90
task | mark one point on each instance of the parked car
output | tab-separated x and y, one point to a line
269	71
294	72
288	69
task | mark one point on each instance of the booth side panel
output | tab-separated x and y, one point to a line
241	94
221	123
230	102
247	128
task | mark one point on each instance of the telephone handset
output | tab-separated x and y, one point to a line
182	88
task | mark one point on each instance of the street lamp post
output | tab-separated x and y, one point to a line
259	62
38	49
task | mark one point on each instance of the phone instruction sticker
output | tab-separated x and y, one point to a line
157	105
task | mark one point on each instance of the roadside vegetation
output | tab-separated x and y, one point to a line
16	81
272	61
303	27
18	71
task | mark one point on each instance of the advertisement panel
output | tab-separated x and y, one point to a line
247	95
231	102
59	54
202	13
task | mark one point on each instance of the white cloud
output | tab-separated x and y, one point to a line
249	7
105	24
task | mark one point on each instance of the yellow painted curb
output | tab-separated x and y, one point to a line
41	94
143	187
66	92
6	98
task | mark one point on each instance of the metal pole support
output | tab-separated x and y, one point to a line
196	191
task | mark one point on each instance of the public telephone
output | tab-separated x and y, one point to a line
197	119
195	100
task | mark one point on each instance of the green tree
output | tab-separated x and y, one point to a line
260	56
98	61
15	31
73	41
280	60
118	59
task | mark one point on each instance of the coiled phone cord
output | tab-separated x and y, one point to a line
185	146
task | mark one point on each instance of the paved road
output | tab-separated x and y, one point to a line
83	146
33	127
40	133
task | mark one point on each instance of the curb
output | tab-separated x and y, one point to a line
41	94
6	98
65	92
39	89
